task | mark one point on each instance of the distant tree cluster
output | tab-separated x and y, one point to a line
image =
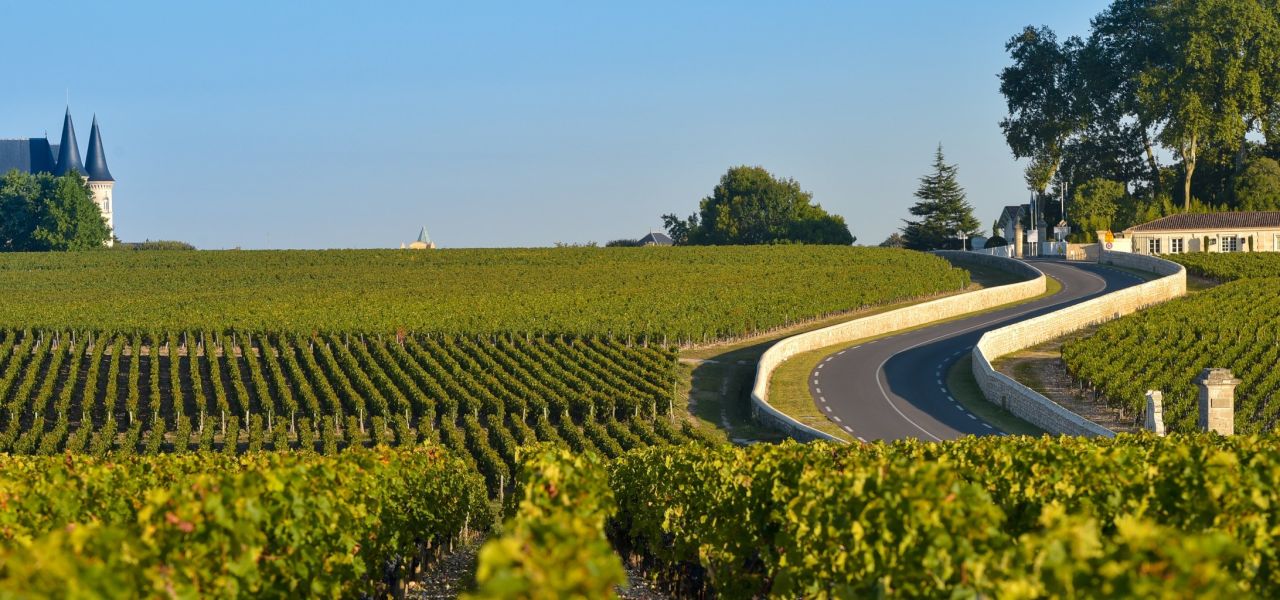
751	206
622	243
40	212
1195	78
156	245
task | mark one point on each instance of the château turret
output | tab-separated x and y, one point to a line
68	150
95	160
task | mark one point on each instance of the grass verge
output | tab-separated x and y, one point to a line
966	391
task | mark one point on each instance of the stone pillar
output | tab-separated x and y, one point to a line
1017	240
1155	412
1217	401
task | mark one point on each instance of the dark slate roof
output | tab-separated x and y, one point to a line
68	150
656	238
1221	220
29	156
95	161
1011	212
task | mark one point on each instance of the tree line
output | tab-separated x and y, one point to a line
1164	106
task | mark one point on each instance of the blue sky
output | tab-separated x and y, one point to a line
314	125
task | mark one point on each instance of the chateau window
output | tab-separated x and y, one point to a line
1230	243
1175	246
1153	246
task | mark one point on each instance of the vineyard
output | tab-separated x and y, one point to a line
998	517
1235	326
675	295
1229	266
481	397
144	397
267	525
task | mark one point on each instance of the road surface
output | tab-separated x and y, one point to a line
895	387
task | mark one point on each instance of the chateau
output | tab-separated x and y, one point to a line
37	155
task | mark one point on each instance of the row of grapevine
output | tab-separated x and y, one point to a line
554	544
1234	326
278	525
670	295
129	393
1230	266
1002	517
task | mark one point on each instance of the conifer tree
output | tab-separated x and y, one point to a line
944	213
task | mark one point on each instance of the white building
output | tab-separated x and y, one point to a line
36	155
1257	231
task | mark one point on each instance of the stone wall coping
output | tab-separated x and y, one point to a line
1032	406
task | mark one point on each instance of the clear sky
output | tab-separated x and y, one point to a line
314	125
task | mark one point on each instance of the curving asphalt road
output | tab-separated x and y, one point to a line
895	387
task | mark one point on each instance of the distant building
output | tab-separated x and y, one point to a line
1024	227
36	155
1257	231
656	239
422	243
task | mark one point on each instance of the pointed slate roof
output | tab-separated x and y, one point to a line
655	238
423	237
95	162
68	150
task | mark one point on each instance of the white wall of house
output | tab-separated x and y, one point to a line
1176	242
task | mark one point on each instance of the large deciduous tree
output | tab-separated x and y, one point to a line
1094	206
40	212
751	206
1258	187
943	210
1194	76
1041	93
1202	84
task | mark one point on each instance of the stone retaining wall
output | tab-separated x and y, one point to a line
1030	405
886	322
